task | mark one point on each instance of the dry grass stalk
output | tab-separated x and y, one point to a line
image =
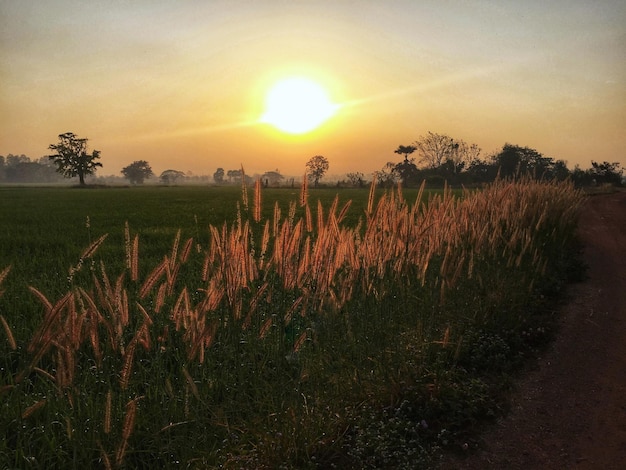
257	201
146	315
160	298
105	456
174	253
152	279
127	367
304	191
276	219
253	305
45	373
191	383
4	273
9	333
127	429
107	412
134	260
184	255
33	408
127	245
244	189
320	217
91	249
50	326
292	309
267	325
300	341
370	198
309	219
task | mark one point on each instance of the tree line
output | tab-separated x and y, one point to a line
441	159
435	158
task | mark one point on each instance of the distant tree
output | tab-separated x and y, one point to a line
14	160
356	179
233	174
461	155
481	171
388	175
514	160
72	159
317	167
405	150
218	176
137	172
606	173
171	176
560	171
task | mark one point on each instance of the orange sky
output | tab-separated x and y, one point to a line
181	84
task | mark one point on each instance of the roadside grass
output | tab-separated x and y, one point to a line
160	327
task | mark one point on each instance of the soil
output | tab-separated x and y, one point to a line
569	412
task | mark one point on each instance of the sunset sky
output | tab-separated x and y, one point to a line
182	84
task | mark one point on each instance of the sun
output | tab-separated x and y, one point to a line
297	105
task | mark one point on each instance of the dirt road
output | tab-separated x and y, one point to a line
570	413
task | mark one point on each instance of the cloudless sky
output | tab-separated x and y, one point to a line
181	84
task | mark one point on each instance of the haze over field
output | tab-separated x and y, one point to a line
183	84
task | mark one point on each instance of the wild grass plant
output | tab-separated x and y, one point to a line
285	338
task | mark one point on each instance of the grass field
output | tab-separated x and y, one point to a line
206	330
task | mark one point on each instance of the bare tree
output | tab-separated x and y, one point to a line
435	150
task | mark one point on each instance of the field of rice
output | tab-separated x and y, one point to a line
206	327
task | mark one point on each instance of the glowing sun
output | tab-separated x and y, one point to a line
297	105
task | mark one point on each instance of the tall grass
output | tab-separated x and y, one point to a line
258	347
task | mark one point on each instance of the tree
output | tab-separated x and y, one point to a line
137	171
72	159
356	179
218	176
434	149
606	173
171	176
317	167
233	174
405	150
514	160
388	175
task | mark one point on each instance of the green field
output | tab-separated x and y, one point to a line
43	230
372	338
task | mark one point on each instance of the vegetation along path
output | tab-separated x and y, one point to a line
570	412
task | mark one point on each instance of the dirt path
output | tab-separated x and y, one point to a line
570	413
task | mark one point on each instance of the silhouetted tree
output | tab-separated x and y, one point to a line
171	176
387	176
137	172
72	159
560	171
405	150
317	167
408	173
514	160
356	179
233	174
606	173
434	149
218	176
